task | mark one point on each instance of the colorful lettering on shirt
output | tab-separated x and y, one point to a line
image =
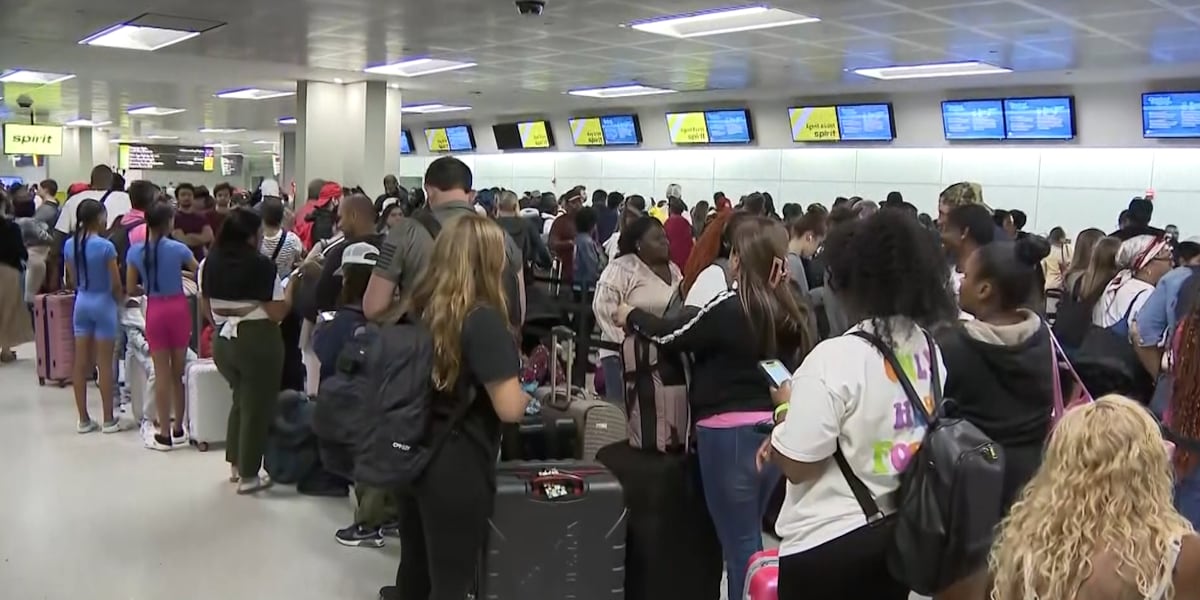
891	457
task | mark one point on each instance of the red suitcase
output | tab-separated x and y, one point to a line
54	334
762	578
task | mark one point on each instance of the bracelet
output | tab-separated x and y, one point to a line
781	410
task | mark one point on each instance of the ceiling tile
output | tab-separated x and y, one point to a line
1152	22
1033	31
984	13
897	22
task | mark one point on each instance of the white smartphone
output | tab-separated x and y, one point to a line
775	372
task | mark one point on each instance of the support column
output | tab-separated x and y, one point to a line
346	133
77	158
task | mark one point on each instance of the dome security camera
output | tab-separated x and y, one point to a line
531	8
24	101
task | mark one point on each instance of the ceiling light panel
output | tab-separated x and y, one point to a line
154	111
162	137
287	121
416	67
33	77
952	69
253	94
721	20
221	129
136	37
86	123
620	91
426	109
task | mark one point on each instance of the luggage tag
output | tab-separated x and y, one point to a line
553	485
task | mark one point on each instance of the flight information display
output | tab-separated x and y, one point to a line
529	135
866	122
612	130
406	142
973	119
1171	115
710	127
231	164
158	157
1039	118
814	124
458	138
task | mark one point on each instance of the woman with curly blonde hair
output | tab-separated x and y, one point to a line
460	298
1097	522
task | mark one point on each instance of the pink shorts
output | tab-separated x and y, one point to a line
168	322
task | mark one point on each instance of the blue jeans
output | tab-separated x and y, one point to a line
736	493
614	380
1187	497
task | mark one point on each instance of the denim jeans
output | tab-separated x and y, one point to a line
614	380
736	493
1187	497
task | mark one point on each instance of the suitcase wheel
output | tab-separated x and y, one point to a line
41	381
202	446
61	383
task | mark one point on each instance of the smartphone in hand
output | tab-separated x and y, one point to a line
775	372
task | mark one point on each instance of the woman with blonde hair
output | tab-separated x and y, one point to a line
1097	521
460	299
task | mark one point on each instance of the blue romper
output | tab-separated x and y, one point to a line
95	307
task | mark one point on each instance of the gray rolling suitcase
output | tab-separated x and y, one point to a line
598	423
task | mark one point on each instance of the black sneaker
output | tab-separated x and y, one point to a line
391	529
389	592
357	535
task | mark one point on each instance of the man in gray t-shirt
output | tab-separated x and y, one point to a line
406	249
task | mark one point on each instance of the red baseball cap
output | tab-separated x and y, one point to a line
329	191
76	188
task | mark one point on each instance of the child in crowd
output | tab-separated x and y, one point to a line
91	262
378	510
158	263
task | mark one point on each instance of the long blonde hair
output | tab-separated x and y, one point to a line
465	272
1104	487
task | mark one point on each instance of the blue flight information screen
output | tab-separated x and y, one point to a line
619	130
865	122
973	119
727	126
460	138
1039	119
1175	115
405	142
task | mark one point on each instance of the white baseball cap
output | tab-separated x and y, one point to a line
359	253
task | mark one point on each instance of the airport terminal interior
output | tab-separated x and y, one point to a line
1062	111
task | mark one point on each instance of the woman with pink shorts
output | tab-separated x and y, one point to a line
158	264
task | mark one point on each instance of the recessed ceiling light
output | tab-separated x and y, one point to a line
219	145
122	141
426	109
416	67
33	77
138	37
221	129
287	120
154	111
394	86
721	20
620	91
264	142
156	136
252	94
951	69
338	80
86	123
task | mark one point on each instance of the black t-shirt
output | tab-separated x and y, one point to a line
489	355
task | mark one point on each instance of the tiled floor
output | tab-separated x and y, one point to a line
98	517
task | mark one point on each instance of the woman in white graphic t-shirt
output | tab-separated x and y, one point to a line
845	398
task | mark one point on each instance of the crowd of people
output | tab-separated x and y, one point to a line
1098	501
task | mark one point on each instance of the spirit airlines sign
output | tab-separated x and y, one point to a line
44	140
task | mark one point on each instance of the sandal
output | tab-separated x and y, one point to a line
8	356
234	477
254	485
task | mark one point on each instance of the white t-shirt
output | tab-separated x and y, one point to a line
290	254
1111	309
708	285
844	395
116	204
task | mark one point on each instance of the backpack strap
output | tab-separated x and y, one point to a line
279	246
866	502
911	392
425	218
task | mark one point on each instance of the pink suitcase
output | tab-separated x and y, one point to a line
762	578
54	331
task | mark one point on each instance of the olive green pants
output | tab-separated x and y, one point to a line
252	363
376	506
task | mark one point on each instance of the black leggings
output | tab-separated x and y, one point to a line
443	525
851	567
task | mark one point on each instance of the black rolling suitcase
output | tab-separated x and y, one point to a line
538	439
557	531
672	550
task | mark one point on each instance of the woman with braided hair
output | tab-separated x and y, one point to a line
1183	415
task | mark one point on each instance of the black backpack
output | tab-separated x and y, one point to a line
118	234
1073	317
950	497
322	219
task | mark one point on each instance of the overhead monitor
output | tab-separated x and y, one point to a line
456	138
159	157
406	142
1171	115
232	164
528	135
1050	118
866	122
973	119
610	130
814	124
730	126
44	140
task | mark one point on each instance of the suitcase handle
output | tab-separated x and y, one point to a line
557	486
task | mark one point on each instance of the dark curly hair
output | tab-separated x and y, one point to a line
888	266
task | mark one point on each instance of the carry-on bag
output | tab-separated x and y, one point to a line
598	422
209	400
557	531
672	549
655	396
762	577
54	337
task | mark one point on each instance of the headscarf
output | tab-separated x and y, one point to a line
1133	256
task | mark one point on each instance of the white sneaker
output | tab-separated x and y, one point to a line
87	427
114	426
152	443
182	440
